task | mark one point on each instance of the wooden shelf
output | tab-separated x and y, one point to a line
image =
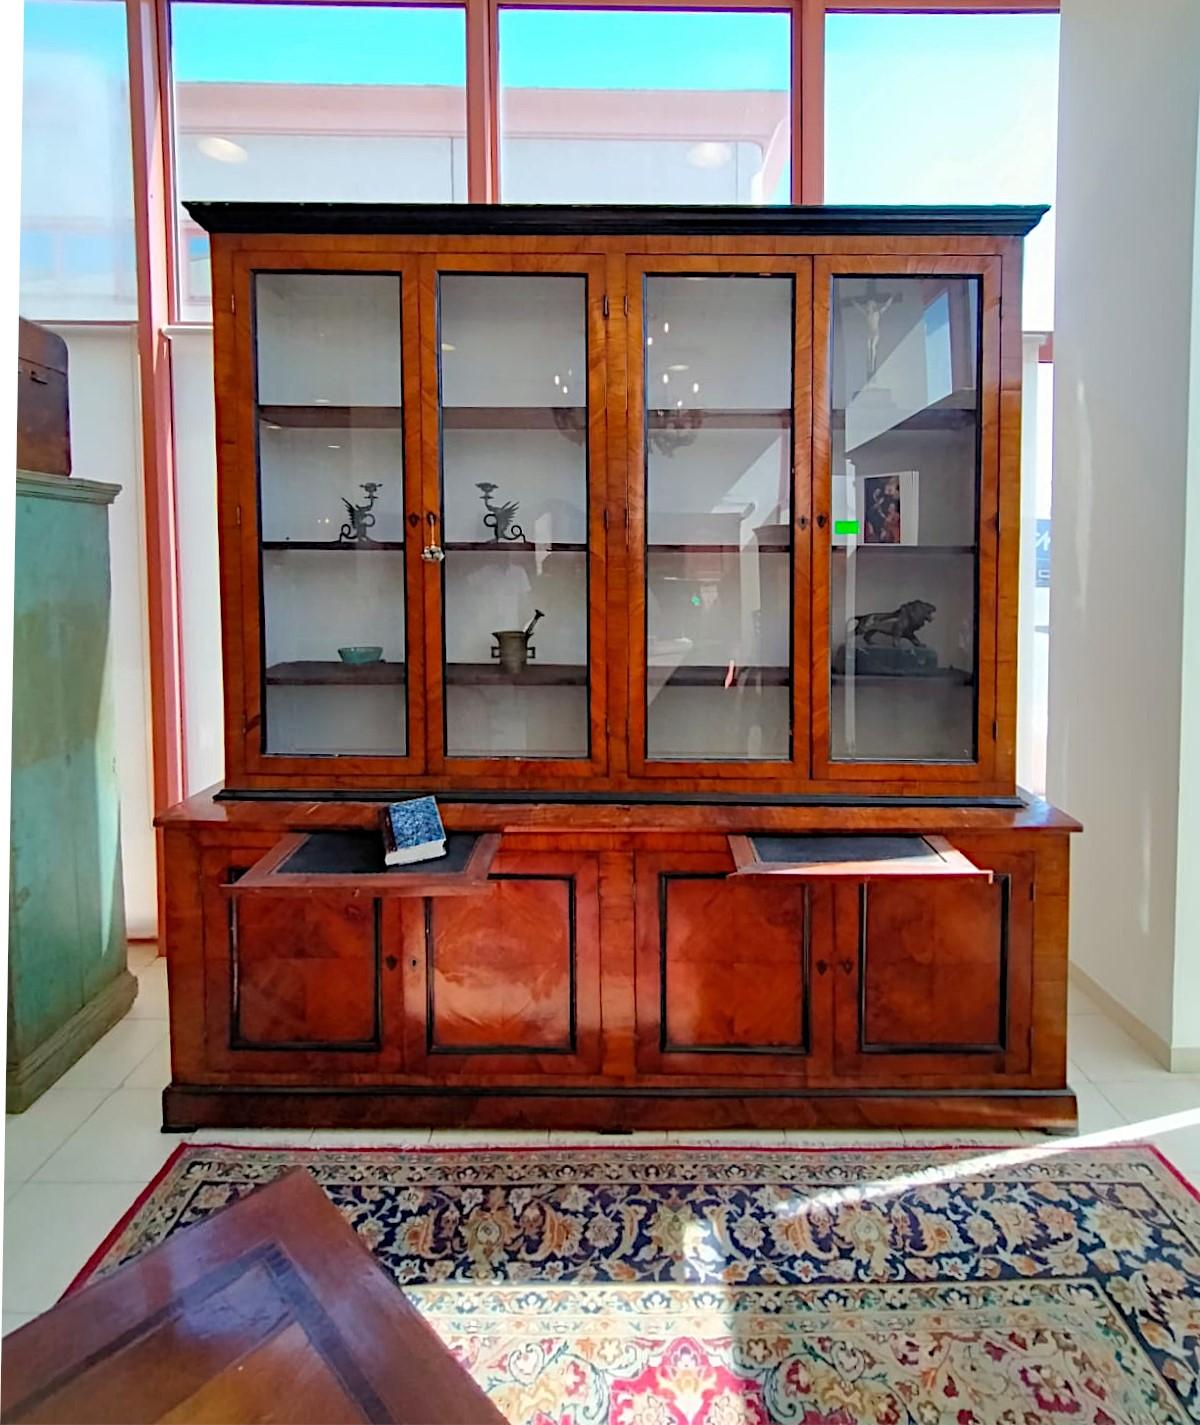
718	549
312	674
369	546
567	419
893	549
333	417
693	418
510	546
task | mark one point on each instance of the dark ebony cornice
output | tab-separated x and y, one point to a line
517	219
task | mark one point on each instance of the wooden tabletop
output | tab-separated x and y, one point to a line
270	1310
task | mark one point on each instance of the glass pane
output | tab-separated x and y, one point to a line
514	514
947	109
904	437
331	482
310	102
718	517
629	106
77	249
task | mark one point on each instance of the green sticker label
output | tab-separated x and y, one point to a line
845	526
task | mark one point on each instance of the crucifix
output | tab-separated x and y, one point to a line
872	309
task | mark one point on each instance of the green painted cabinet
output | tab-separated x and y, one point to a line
67	976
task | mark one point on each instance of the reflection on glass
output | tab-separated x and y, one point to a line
331	481
904	433
971	105
314	103
718	517
514	514
644	106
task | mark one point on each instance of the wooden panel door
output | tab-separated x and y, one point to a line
297	983
719	362
508	981
513	388
318	438
933	977
906	495
733	973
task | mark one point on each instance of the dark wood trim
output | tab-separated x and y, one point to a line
520	796
525	219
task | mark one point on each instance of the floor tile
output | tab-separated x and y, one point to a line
1142	1103
584	1138
729	1137
154	1072
151	1002
1075	1074
966	1137
122	1141
488	1138
845	1138
106	1065
1097	1113
50	1230
1080	1002
1106	1054
31	1137
12	1319
249	1137
369	1138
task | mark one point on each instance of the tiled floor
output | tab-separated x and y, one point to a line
77	1159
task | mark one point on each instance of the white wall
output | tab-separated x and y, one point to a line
1128	102
106	445
199	572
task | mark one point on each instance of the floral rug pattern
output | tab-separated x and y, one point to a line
677	1286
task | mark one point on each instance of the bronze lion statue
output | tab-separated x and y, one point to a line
901	624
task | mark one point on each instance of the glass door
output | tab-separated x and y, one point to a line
513	525
905	454
719	540
328	655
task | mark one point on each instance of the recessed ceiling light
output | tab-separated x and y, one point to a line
223	150
709	155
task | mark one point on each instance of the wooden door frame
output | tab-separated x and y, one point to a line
902	262
590	265
239	516
796	767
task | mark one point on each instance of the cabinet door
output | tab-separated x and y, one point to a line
933	976
718	538
513	524
906	412
508	981
320	446
302	985
733	973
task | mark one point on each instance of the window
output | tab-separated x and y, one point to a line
947	109
324	103
77	247
642	106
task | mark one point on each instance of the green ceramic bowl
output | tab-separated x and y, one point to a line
361	653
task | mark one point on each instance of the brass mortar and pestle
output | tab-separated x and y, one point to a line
512	645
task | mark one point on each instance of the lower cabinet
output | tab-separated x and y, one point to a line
894	979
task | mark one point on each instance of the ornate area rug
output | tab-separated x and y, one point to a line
676	1286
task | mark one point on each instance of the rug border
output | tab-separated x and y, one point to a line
85	1272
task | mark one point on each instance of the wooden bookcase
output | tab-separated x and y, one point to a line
756	472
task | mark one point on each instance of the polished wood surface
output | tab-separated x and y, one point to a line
270	1310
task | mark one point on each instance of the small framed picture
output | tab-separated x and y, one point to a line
887	508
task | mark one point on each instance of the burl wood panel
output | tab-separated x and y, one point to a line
933	962
306	970
733	965
509	978
270	1310
503	967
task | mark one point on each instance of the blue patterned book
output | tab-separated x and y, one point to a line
412	831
